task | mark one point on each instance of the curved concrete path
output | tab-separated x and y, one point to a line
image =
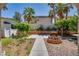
39	48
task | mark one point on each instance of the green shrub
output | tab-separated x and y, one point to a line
48	29
13	26
6	41
23	26
40	28
29	49
53	28
68	24
73	23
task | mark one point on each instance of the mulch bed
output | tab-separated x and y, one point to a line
16	48
54	41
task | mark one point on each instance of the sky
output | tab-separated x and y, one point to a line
41	9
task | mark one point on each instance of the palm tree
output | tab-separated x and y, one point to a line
17	16
51	15
62	9
60	13
59	10
52	12
67	8
28	14
2	7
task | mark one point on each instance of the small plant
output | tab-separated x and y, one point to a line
6	41
54	28
23	29
21	40
29	49
40	28
48	29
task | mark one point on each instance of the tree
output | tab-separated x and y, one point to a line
51	15
73	23
62	25
23	28
2	7
67	25
63	9
17	16
52	12
59	10
28	14
67	8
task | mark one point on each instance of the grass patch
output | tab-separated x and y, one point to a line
6	41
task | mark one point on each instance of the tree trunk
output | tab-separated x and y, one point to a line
66	15
51	20
62	31
54	13
78	32
1	33
28	21
0	24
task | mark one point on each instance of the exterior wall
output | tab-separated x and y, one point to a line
10	32
7	31
6	28
43	20
13	31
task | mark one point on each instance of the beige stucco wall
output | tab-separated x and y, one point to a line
4	26
45	21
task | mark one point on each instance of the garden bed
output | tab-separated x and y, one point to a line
43	32
18	47
66	48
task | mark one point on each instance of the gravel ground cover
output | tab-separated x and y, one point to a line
66	48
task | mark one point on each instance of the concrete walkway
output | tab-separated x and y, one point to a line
39	48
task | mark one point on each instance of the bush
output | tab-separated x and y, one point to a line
54	28
23	26
67	24
73	23
48	29
6	41
23	29
40	28
13	26
59	23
